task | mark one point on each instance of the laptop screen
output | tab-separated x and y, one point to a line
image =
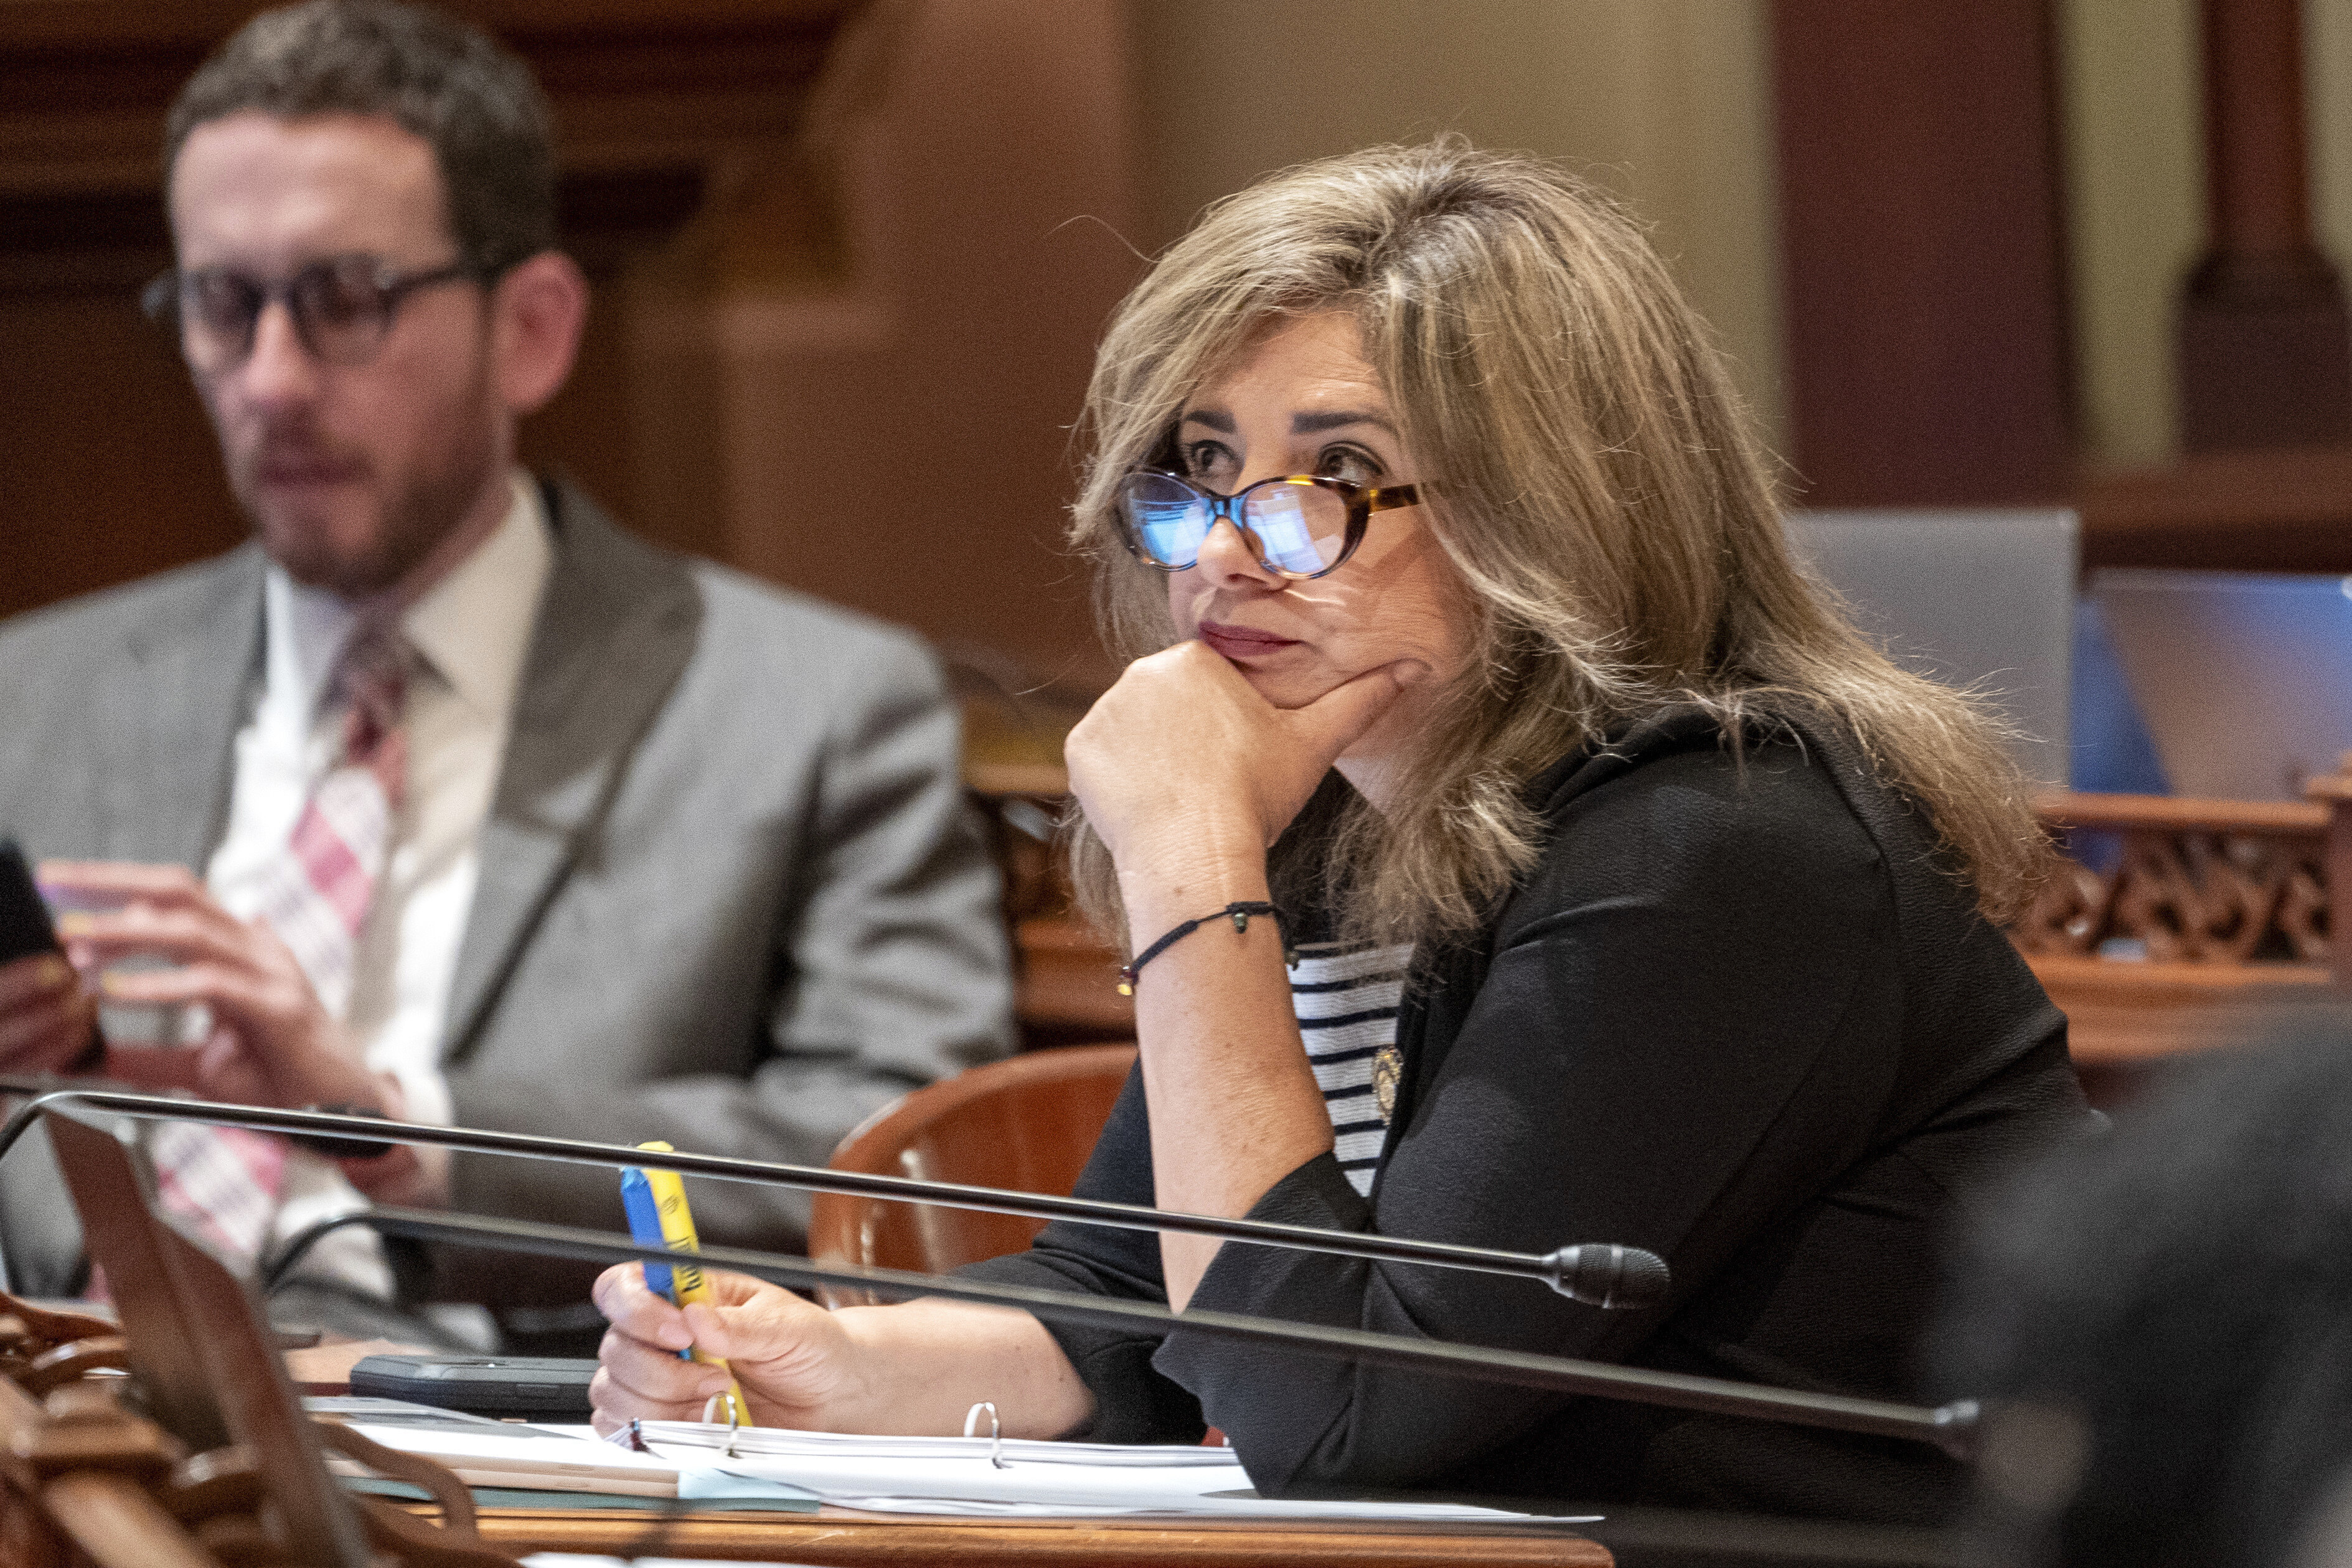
2245	677
1971	598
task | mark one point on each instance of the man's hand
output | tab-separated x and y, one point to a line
272	1043
47	1018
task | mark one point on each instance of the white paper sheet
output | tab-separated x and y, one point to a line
552	1460
1016	1478
958	1477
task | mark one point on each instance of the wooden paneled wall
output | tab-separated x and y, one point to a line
1921	244
842	320
111	464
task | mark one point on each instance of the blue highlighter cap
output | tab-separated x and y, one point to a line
646	1227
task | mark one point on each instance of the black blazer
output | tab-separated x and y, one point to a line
1739	1013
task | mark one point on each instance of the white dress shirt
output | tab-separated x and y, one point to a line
470	632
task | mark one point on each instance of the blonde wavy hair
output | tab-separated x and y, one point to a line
1605	503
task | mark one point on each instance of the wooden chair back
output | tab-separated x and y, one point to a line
1027	1123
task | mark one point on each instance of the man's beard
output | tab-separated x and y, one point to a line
408	524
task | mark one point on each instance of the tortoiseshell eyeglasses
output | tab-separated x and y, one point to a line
1298	525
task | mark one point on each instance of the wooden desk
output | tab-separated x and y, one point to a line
852	1539
846	1537
849	1540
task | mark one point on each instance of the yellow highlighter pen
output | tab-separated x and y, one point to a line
686	1283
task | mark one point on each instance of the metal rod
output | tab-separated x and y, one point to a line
1556	1270
1950	1428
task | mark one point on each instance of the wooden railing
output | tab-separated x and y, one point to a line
2162	880
2172	924
2178	924
77	1470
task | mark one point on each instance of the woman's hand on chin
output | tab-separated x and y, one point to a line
1183	750
790	1356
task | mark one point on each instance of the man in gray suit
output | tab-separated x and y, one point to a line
668	854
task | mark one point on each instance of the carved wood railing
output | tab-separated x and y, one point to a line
76	1470
2177	924
86	1481
2161	880
2172	924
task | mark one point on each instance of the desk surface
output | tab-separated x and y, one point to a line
845	1537
850	1540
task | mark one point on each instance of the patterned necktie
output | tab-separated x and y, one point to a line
225	1180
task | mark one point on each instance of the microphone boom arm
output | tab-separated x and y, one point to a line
1601	1274
1950	1428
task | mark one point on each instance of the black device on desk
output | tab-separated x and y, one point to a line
25	926
542	1387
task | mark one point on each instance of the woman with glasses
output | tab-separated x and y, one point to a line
1513	850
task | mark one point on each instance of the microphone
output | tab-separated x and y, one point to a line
1952	1427
1604	1275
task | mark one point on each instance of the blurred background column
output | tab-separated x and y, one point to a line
2265	358
1922	250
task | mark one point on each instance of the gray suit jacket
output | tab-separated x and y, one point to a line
730	893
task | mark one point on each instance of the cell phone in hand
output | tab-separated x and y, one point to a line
25	924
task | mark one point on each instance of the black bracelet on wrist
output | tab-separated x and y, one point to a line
1239	912
336	1148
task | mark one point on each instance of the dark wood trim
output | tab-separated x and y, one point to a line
2265	344
2255	510
1922	243
83	88
666	110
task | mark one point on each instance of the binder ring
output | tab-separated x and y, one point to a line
995	1431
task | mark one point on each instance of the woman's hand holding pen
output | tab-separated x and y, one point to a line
912	1368
789	1355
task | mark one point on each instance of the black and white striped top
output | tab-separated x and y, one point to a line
1345	1000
